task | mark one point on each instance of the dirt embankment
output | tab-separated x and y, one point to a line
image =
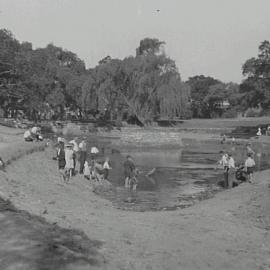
28	241
230	231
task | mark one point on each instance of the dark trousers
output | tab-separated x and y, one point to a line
226	178
82	160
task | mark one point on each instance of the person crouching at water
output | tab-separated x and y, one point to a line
83	154
61	160
69	157
129	170
249	166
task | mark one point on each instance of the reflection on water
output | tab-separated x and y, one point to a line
182	177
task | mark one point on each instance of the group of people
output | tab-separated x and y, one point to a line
33	134
229	168
69	153
267	132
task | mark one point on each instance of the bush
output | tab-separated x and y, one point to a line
231	113
253	113
265	112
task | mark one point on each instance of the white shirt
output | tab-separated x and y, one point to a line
249	162
94	150
86	170
82	146
75	145
34	130
231	163
224	160
106	165
27	134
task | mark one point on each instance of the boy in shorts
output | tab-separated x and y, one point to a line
249	166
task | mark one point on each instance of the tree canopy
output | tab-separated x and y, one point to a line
147	86
38	80
256	87
51	81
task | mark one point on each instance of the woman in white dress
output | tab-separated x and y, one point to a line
69	157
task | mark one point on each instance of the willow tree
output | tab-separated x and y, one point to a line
147	86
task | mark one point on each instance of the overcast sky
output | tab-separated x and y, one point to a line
210	37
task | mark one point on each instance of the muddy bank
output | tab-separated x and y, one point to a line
29	242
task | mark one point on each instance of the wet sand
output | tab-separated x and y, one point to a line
229	231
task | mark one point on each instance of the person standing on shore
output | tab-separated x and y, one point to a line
83	154
231	171
61	160
75	150
69	157
129	170
223	162
259	132
249	166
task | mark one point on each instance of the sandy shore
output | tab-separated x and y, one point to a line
229	231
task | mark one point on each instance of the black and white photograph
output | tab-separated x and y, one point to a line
134	135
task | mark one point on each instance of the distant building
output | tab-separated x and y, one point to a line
223	105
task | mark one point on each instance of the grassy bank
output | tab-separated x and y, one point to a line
28	241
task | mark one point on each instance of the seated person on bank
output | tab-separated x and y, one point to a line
28	136
36	133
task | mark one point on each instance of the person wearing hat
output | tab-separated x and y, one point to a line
83	154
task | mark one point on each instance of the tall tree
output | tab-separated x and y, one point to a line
200	87
147	86
256	86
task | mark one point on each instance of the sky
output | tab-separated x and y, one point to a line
209	37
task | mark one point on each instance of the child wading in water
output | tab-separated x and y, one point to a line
249	166
129	170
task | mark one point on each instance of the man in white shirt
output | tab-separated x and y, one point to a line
224	162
